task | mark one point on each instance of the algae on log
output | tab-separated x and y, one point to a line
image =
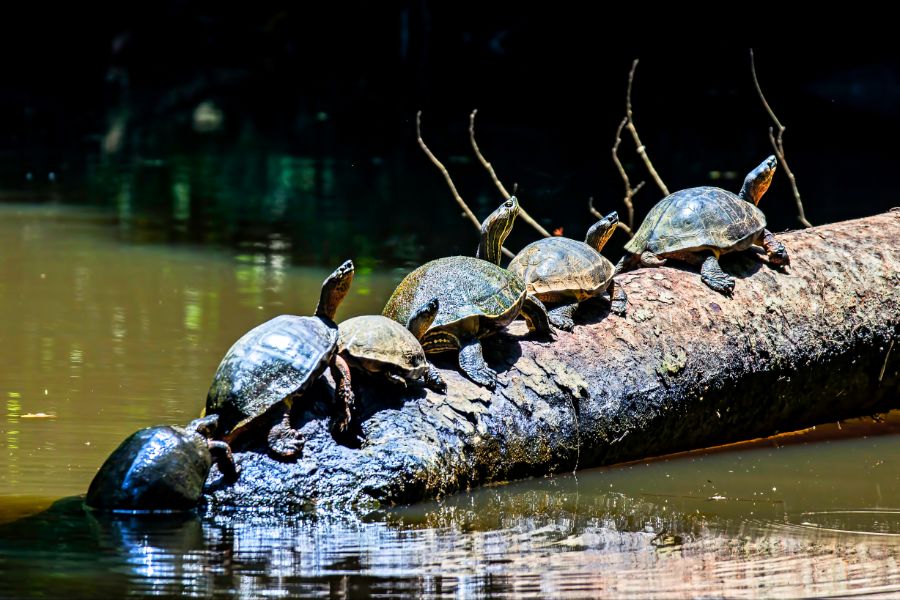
687	368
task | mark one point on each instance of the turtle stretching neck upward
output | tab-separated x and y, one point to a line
698	225
275	362
476	297
564	272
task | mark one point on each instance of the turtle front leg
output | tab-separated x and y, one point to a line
618	300
345	401
395	379
626	263
471	361
561	316
284	441
434	381
648	259
224	459
712	275
535	314
776	251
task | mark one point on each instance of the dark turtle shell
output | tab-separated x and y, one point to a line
475	296
558	268
270	362
698	218
157	468
376	341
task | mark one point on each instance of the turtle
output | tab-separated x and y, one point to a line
564	271
378	345
476	297
275	362
160	468
698	225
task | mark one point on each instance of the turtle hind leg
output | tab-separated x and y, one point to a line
712	275
434	381
345	400
222	456
618	300
284	441
471	361
648	259
535	314
395	378
626	263
775	249
561	316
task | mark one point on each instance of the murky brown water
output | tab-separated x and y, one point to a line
101	337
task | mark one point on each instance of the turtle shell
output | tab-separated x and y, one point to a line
475	296
698	218
558	268
157	468
375	342
270	362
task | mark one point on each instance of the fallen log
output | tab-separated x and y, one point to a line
687	368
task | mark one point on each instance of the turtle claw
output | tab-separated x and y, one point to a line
561	317
486	377
712	275
471	361
434	381
723	285
562	322
284	441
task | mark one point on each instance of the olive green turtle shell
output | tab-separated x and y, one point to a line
377	340
272	361
698	218
559	268
475	297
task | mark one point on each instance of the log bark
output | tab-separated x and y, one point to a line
686	368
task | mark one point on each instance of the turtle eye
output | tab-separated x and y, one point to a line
508	204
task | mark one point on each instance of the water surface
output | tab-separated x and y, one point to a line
103	334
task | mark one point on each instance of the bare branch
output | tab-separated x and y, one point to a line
629	124
778	144
629	191
462	203
599	215
523	214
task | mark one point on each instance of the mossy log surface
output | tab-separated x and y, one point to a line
686	368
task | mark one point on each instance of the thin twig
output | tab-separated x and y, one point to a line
778	144
599	215
629	191
629	124
462	203
523	214
886	357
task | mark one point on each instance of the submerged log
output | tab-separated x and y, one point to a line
686	368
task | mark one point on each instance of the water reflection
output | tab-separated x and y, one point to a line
544	538
109	337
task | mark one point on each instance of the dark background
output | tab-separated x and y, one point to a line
94	102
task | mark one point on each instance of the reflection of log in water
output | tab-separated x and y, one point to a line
687	368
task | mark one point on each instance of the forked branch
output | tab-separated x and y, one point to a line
459	200
777	142
629	191
523	214
629	125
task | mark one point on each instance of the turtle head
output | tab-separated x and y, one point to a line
334	289
758	180
422	318
495	228
205	426
601	231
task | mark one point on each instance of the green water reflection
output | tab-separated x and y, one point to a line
102	336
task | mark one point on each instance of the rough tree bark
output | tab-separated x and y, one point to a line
686	368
